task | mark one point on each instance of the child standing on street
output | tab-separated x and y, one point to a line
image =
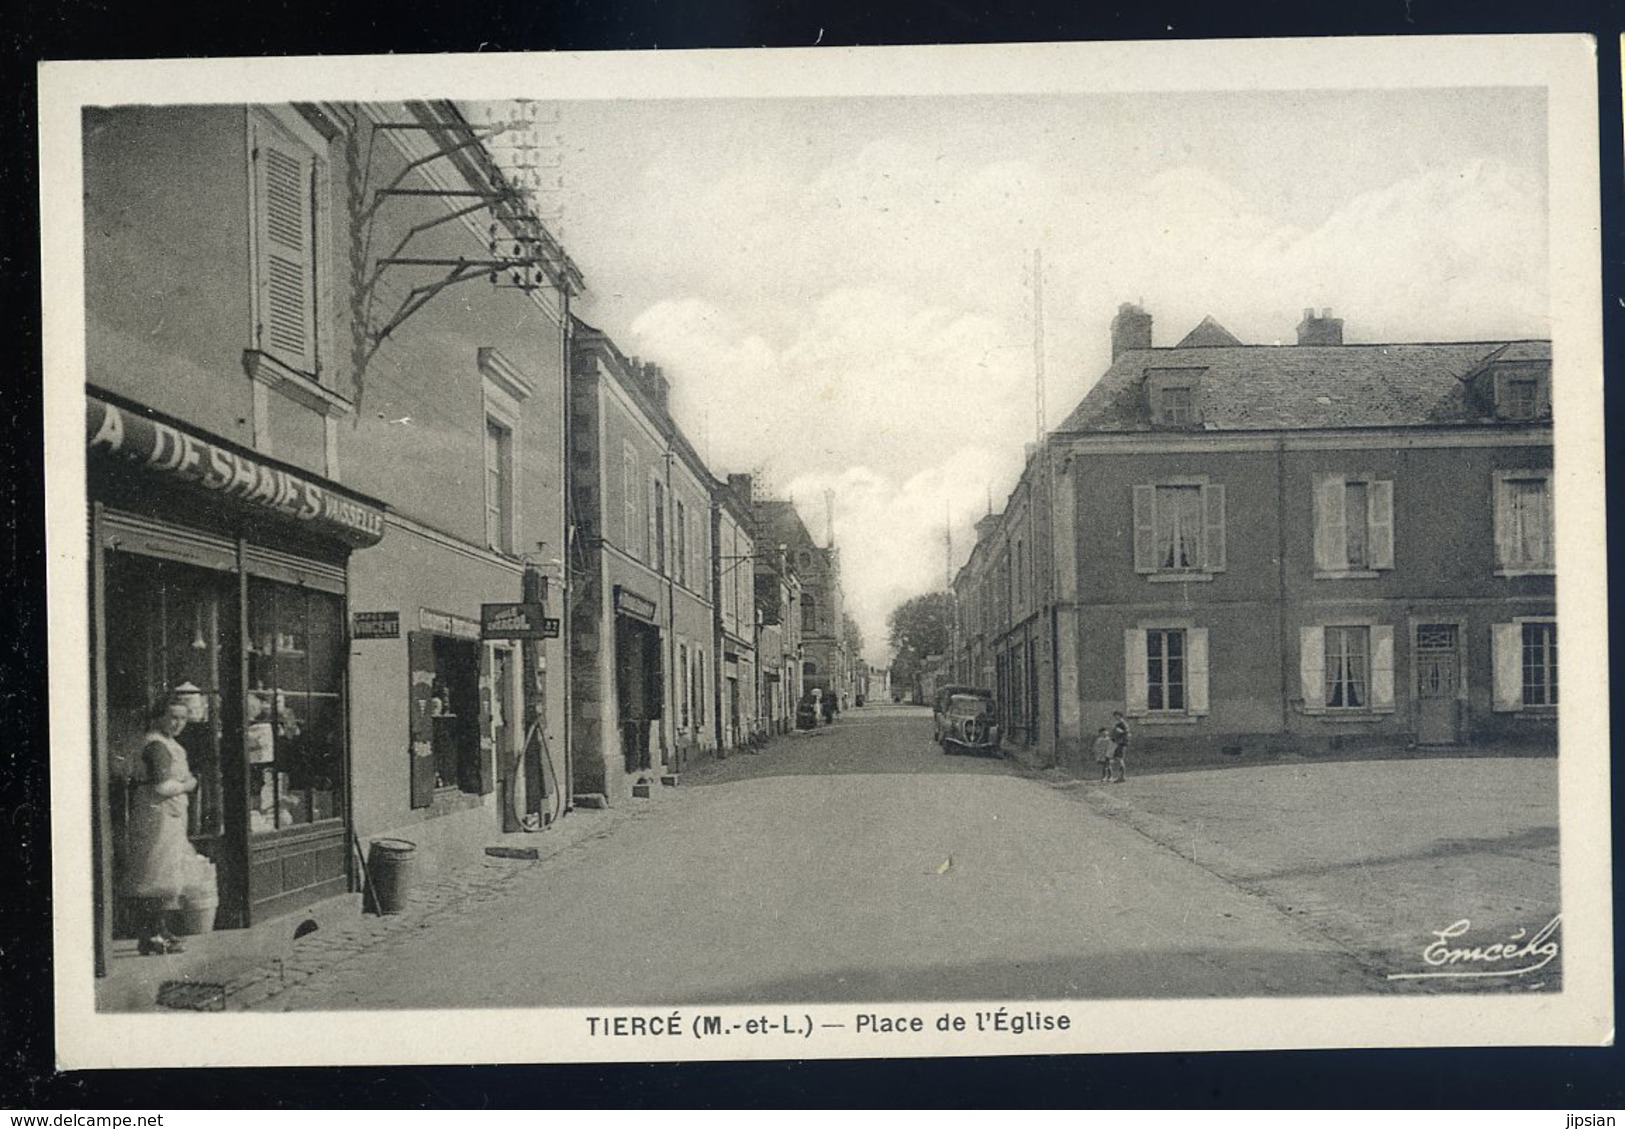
1103	753
1119	739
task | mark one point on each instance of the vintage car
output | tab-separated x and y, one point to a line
965	719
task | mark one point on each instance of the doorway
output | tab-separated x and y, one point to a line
171	629
1438	683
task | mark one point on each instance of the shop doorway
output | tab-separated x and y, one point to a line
639	688
168	628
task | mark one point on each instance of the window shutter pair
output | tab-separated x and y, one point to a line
1331	522
1145	529
285	242
1136	689
1506	663
1312	668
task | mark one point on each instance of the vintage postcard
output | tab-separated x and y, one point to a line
825	553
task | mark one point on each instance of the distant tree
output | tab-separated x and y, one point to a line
918	628
852	636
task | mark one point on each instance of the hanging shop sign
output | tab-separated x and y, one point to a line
444	623
516	621
165	449
375	625
628	602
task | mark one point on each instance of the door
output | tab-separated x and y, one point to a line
504	738
169	627
1438	682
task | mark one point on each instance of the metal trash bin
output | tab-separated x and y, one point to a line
391	868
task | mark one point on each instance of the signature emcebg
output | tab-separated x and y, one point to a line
1519	955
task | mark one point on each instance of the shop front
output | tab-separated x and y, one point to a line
640	683
218	600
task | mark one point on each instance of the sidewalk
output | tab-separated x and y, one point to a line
232	969
1375	854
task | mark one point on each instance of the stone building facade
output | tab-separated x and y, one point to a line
1320	544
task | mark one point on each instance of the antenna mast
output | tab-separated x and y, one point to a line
1038	340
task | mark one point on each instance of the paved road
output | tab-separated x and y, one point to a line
859	863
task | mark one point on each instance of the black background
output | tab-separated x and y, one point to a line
34	30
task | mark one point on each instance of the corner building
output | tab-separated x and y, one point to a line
1314	545
270	453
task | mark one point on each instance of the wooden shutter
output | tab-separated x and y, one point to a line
1331	534
1506	547
1548	502
1382	669
1312	668
654	676
1134	680
284	199
1145	529
629	500
1213	549
1506	661
420	666
653	557
1380	502
1196	671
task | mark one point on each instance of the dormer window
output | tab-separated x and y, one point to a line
1522	391
1178	405
1520	398
1174	397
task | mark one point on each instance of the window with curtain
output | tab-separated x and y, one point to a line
1179	527
1348	669
1529	521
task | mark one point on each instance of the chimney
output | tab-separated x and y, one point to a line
1321	330
1131	329
740	484
654	382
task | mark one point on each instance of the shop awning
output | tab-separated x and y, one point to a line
166	448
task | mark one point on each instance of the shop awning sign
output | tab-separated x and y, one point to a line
375	625
628	602
167	450
516	621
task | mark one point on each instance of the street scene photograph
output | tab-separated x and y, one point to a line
760	562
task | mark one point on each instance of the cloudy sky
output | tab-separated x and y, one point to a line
841	289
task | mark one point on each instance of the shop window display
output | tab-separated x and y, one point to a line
293	716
